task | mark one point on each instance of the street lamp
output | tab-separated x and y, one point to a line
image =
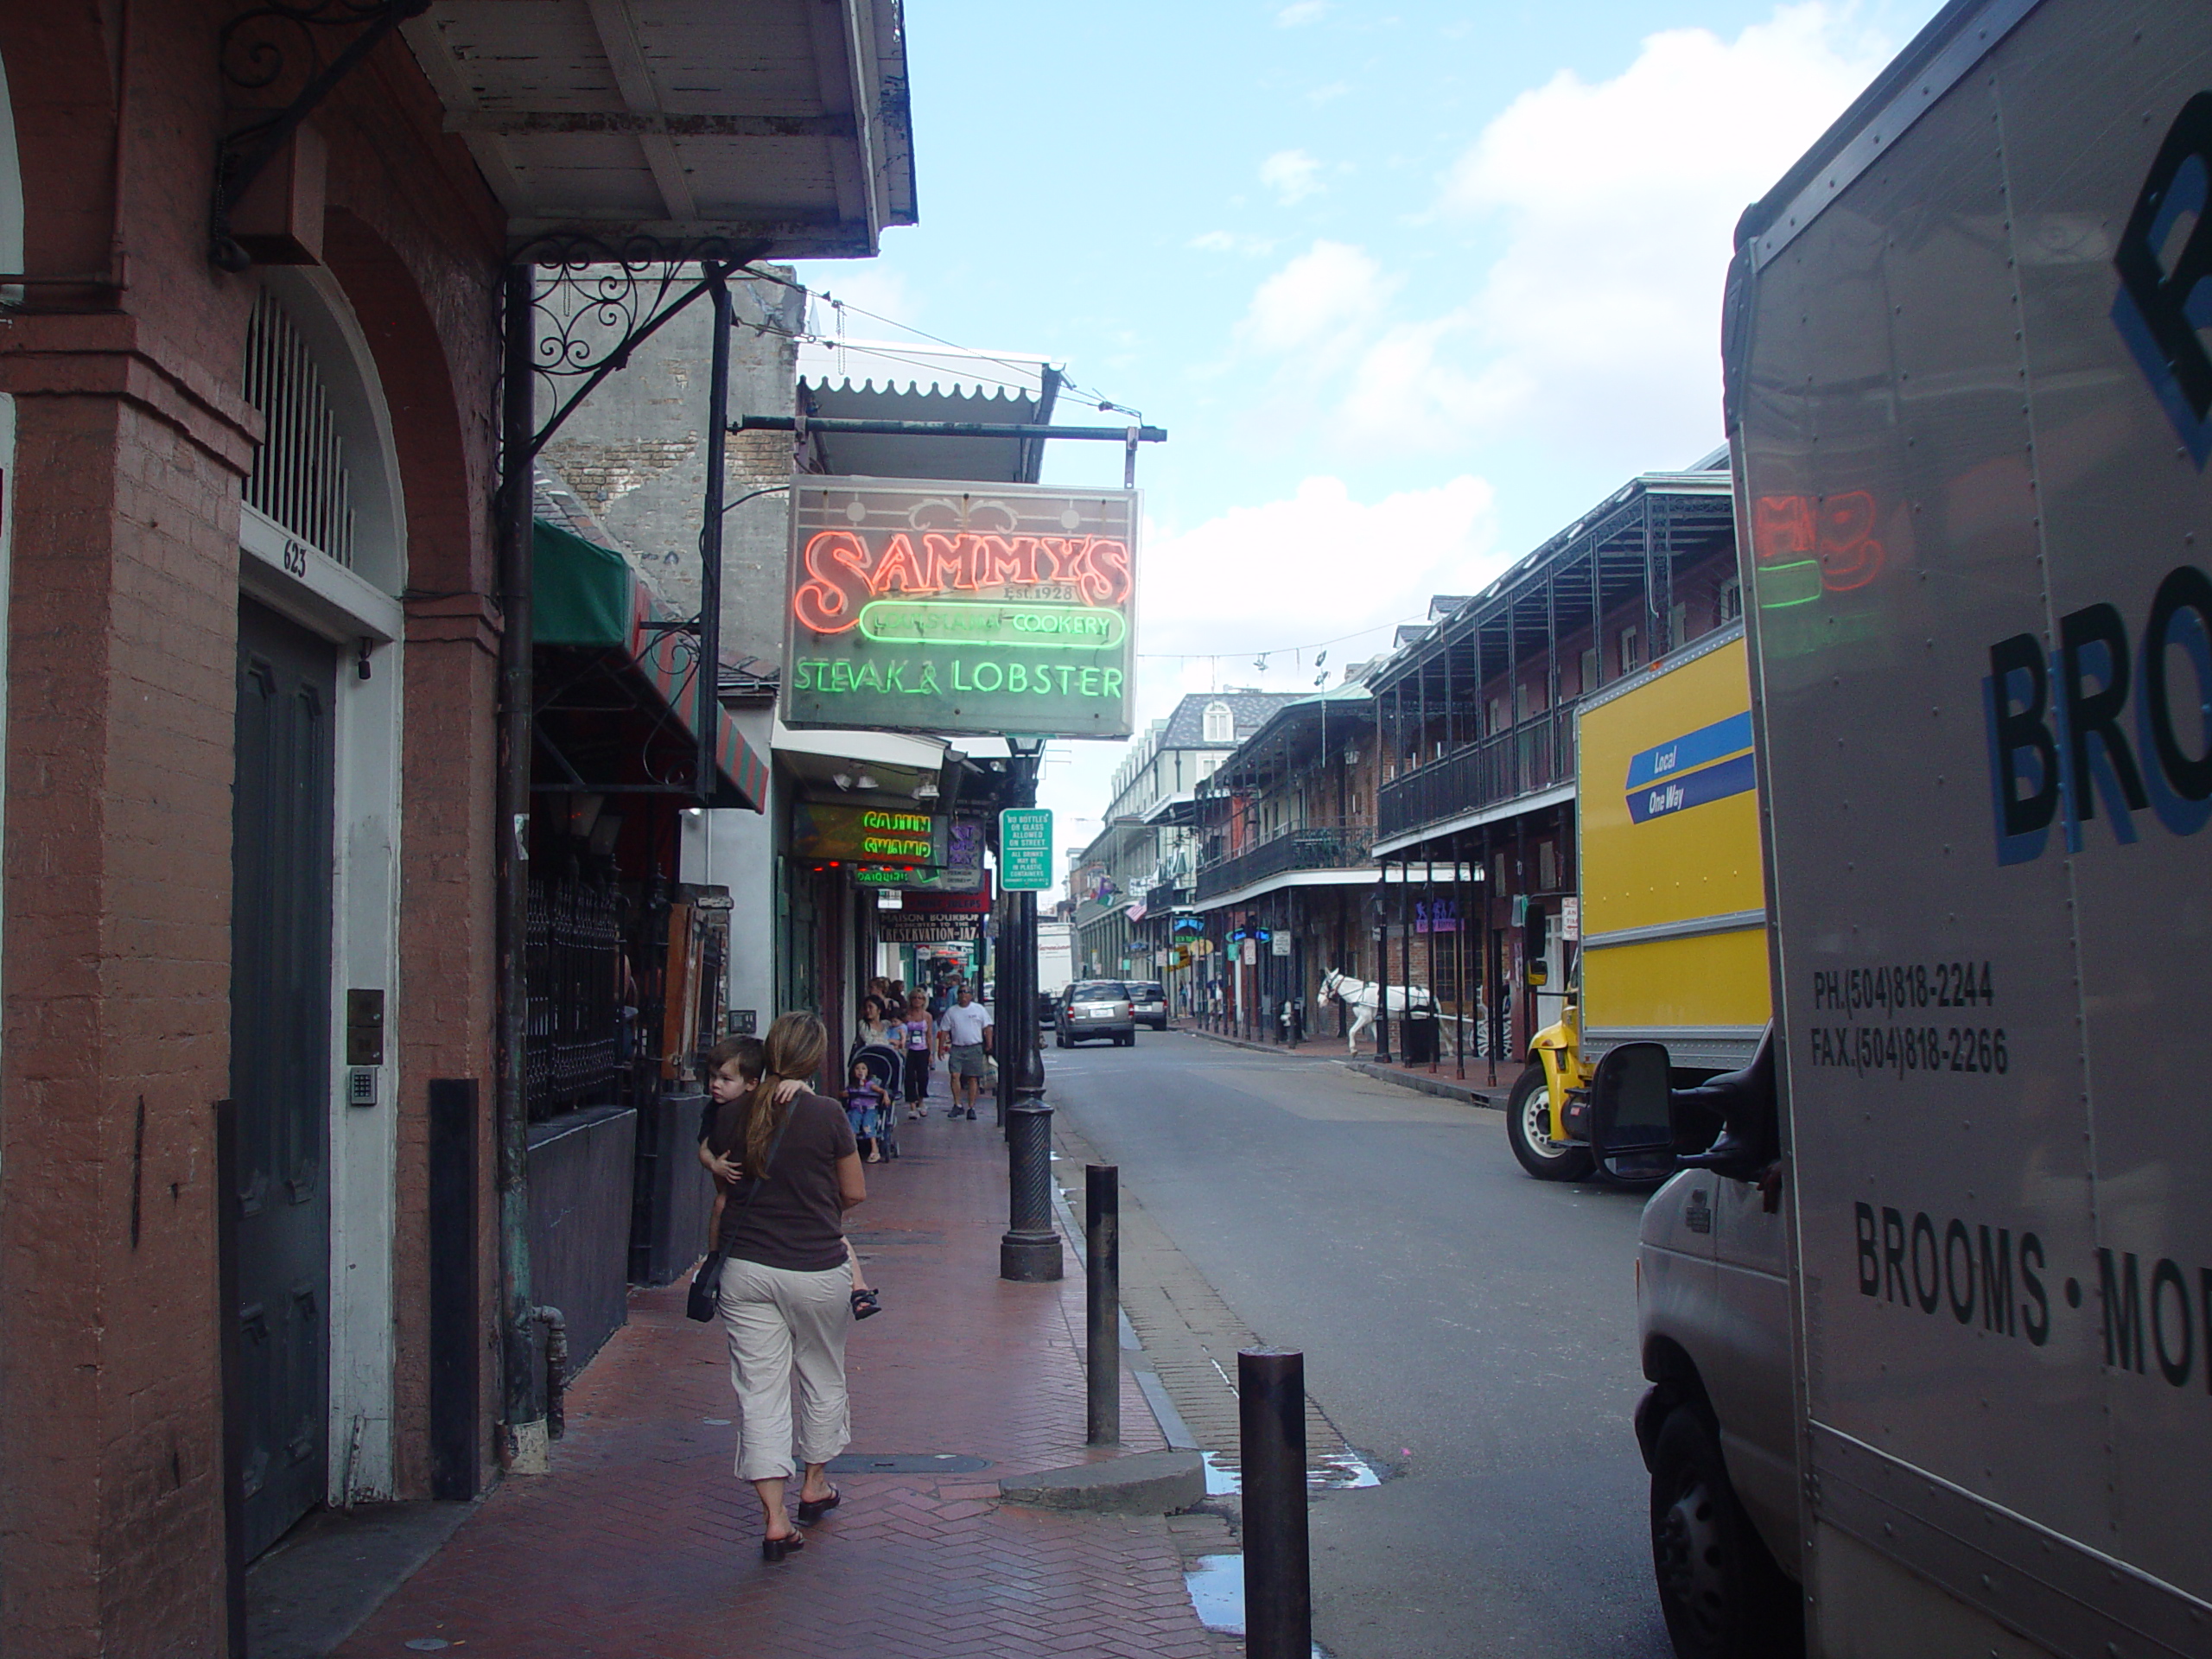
1029	1251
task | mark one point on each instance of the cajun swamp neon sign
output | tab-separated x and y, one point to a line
935	607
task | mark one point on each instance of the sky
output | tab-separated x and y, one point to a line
1409	287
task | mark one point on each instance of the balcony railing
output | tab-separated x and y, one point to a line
1341	846
1535	755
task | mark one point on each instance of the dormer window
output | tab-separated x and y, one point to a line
1220	723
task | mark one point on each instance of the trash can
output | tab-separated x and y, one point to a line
1418	1044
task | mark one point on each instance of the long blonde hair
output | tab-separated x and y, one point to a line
794	1047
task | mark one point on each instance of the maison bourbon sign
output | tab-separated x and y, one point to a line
953	608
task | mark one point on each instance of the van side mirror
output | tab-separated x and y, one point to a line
1538	972
1632	1108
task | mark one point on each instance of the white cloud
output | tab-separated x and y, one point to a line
1319	305
1301	12
1310	567
1232	242
1313	565
1292	174
1607	210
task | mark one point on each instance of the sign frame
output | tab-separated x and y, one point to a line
951	607
1017	839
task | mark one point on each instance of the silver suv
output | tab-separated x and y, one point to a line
1148	1000
1095	1008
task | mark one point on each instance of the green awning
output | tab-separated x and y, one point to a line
583	593
587	598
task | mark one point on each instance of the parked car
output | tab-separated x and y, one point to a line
1148	1001
1095	1008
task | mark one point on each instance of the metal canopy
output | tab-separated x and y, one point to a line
687	123
884	380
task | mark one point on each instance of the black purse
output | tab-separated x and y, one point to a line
707	1283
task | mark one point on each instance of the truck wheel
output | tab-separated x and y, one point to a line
1529	1131
1722	1594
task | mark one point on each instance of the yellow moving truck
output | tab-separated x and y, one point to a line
1672	907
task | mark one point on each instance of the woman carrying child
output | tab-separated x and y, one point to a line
789	1290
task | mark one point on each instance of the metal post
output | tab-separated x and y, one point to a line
1029	1251
1383	964
1435	1002
708	688
523	1439
1406	951
1102	1276
1271	1456
1460	958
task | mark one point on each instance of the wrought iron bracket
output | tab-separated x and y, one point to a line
256	50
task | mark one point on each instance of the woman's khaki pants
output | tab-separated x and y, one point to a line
783	1325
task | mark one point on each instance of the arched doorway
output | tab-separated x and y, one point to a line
315	815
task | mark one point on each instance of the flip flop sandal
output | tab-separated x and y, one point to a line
811	1511
864	1303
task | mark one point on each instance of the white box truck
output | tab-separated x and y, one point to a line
1929	1326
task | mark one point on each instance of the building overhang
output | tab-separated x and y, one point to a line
774	129
885	381
1556	796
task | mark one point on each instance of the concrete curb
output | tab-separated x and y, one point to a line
1146	1483
1466	1094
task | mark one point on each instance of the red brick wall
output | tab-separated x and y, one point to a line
115	873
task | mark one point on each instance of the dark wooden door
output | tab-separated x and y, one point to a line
281	1002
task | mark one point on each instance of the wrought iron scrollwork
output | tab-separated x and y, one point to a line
280	44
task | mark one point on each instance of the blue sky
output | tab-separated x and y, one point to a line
1408	286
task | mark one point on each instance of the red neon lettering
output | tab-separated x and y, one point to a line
830	600
947	561
1850	557
1782	527
1110	565
1002	558
899	567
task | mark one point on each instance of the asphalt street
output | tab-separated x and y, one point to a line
1470	1330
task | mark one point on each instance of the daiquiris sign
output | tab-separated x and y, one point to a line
949	607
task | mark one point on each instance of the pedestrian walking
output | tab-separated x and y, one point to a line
876	1027
917	1046
964	1035
789	1290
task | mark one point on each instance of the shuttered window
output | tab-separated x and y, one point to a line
299	478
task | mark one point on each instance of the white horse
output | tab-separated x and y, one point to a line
1364	999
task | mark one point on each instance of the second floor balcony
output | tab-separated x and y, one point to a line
1536	756
1310	847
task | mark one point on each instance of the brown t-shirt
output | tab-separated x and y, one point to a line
794	1220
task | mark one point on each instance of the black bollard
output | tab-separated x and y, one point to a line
1102	1256
1271	1446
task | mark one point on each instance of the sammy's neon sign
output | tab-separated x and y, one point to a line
843	571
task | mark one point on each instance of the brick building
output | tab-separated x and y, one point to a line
250	521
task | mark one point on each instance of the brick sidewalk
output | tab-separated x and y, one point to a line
641	1542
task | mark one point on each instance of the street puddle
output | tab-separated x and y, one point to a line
1217	1588
1216	1584
1332	1471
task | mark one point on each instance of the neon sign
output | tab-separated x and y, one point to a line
1800	534
844	572
867	835
948	607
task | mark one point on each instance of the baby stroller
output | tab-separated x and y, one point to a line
885	1065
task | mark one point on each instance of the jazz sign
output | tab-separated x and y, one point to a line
952	607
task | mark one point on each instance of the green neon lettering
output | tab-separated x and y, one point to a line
929	680
998	677
1090	682
892	673
1113	682
951	622
1017	677
867	678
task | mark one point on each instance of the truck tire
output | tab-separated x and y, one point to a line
1528	1131
1722	1595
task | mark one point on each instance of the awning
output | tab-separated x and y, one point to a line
689	122
889	381
597	620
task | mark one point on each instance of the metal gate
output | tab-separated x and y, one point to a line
282	854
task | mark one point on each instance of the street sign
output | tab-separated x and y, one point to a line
1026	849
945	606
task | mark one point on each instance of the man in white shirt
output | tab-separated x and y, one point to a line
964	1033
